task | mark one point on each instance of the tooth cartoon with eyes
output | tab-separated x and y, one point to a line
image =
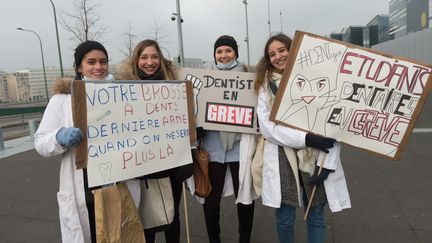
308	98
105	170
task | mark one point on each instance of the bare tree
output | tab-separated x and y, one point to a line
129	42
158	33
83	21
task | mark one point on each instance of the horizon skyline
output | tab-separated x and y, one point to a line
203	23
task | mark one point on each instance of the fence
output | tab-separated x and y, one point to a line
15	121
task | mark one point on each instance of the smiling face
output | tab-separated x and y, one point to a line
94	65
278	54
225	54
149	60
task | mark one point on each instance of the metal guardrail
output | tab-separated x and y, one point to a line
1	140
5	111
15	120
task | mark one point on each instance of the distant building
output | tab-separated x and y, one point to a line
417	15
408	16
190	62
336	36
430	13
405	16
354	35
397	13
37	81
4	91
377	30
19	88
415	46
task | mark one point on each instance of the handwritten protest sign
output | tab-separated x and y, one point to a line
133	128
225	101
359	96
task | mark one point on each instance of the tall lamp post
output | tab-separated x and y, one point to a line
281	20
58	40
43	61
247	34
268	21
177	16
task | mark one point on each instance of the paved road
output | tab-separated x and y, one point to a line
392	201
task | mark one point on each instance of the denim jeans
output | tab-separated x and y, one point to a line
285	220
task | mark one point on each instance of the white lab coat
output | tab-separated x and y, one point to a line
74	220
277	135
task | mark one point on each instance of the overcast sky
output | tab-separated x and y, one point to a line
204	21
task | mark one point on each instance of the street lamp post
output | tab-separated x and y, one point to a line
180	34
43	60
58	40
268	21
247	34
281	21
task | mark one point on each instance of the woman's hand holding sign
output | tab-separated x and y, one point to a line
319	142
69	137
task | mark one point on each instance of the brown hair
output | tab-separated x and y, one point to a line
264	68
166	65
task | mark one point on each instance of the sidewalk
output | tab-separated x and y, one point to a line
15	146
391	200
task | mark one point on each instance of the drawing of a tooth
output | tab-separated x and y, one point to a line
105	170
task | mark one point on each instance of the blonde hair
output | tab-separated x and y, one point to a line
168	69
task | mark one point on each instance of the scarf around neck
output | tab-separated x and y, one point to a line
109	77
227	66
156	76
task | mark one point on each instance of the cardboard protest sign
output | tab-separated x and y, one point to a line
224	101
132	128
356	95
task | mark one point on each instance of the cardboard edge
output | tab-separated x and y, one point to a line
79	116
191	113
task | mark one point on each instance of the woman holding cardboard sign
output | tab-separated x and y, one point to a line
148	63
57	135
292	157
230	155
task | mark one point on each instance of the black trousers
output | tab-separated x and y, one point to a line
172	235
90	207
211	206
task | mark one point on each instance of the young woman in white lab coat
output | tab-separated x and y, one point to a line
56	135
291	157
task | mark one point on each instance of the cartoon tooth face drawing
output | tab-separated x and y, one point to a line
105	170
308	97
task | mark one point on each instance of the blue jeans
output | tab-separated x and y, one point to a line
285	220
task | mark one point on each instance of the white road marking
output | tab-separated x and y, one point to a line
422	130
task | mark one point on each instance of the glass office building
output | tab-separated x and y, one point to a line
397	13
377	30
354	35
